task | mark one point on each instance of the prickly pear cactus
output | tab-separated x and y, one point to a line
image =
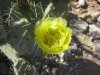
19	35
19	43
20	65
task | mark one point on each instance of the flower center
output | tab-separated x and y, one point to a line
52	37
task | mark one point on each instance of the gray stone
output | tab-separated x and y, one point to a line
81	3
98	1
94	28
81	25
97	45
94	31
95	14
98	19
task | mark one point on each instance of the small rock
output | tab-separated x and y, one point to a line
81	3
82	25
61	57
98	1
95	14
98	19
95	32
97	45
94	28
90	15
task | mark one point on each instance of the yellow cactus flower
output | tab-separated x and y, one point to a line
52	35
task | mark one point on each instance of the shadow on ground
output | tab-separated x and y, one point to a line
79	67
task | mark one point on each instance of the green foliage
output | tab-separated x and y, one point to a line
20	21
20	65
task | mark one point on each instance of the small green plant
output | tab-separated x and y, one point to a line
52	35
